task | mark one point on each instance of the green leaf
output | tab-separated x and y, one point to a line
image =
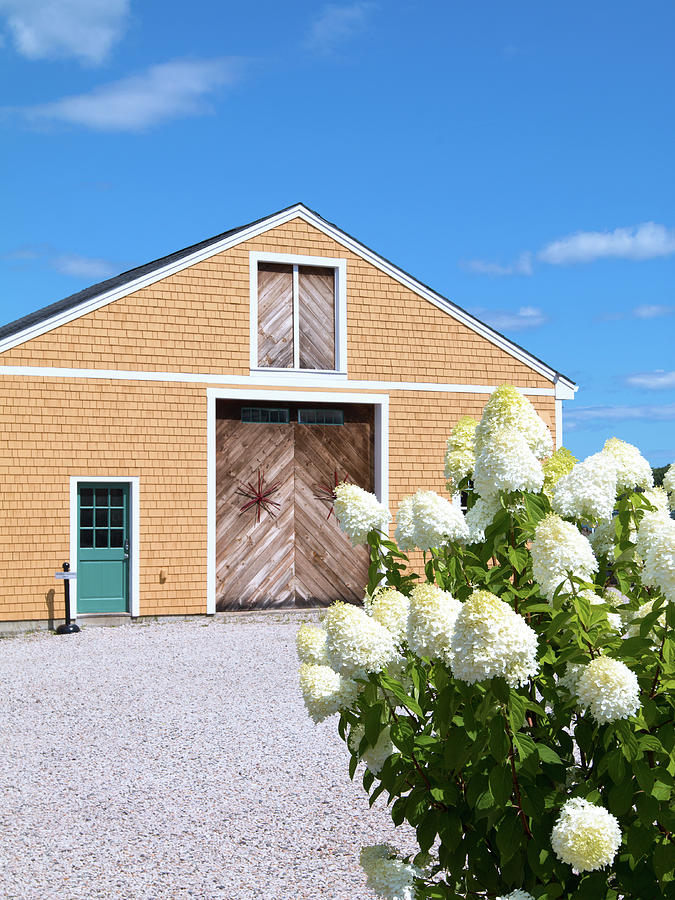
450	829
398	810
501	784
510	836
548	755
517	707
396	688
616	766
663	860
499	741
427	830
621	797
353	763
403	735
524	744
647	808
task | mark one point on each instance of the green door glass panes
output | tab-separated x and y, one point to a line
103	548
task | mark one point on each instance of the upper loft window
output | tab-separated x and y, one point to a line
298	313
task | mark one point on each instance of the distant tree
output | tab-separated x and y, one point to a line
659	472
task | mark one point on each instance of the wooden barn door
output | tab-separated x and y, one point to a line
299	557
327	567
254	560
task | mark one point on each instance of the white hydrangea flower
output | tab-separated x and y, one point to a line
431	621
508	408
324	691
506	463
616	599
557	465
658	498
479	517
517	895
390	608
558	550
357	643
374	757
359	512
609	688
632	469
585	836
310	642
669	484
653	526
571	676
659	557
436	521
404	535
491	639
387	876
588	492
636	618
459	454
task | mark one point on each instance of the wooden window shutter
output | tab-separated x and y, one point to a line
275	316
316	313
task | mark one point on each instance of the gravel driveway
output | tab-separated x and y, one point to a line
174	760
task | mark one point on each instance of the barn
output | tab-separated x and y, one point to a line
175	432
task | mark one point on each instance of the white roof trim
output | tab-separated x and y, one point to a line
294	212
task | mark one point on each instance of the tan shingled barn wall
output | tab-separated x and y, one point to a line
197	321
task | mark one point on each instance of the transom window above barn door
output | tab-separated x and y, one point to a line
298	313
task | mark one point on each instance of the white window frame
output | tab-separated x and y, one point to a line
134	483
340	268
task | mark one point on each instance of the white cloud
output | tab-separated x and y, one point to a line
503	320
163	92
652	311
83	266
646	241
652	380
337	23
574	418
52	29
639	242
522	266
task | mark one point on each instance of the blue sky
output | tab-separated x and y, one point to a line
518	157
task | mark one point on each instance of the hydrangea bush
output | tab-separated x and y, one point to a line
515	703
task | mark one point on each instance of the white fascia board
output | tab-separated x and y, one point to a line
565	389
298	211
275	378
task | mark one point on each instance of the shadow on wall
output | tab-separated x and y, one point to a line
49	599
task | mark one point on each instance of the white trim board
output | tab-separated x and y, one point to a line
379	401
294	212
134	557
322	380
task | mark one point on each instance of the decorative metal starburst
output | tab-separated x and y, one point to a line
258	495
326	492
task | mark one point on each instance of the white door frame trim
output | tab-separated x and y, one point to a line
379	401
134	514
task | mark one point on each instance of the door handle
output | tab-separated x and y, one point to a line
126	549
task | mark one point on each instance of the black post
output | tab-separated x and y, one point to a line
69	627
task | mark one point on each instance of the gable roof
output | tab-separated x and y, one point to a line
104	292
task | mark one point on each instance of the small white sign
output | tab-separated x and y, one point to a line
65	575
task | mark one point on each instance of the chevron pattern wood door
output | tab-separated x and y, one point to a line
254	560
301	557
327	567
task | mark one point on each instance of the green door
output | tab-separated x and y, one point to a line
103	548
